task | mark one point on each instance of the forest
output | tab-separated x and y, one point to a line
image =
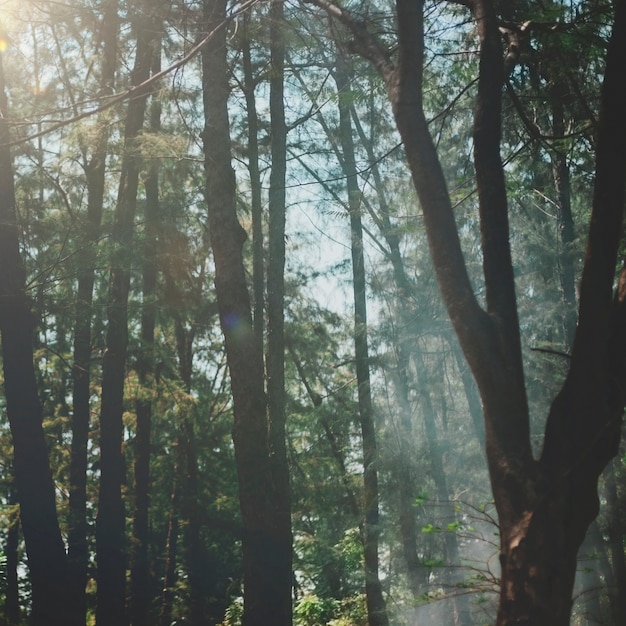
312	312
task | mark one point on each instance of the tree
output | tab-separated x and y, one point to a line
275	355
111	519
95	168
263	532
376	607
544	505
51	602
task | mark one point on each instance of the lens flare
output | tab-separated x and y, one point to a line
233	323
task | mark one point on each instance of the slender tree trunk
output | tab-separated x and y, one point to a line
140	569
190	507
263	598
171	550
561	178
111	518
258	272
51	602
376	606
77	549
275	359
185	493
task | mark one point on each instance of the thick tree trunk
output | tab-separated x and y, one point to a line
111	518
376	605
77	549
544	506
51	602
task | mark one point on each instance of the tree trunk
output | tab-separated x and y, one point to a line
171	546
51	602
77	549
258	272
111	518
275	359
544	506
376	606
185	493
262	595
140	568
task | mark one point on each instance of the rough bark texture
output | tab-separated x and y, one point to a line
264	595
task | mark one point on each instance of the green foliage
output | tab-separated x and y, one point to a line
310	610
233	614
52	68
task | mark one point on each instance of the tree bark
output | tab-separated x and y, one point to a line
171	548
275	357
140	568
244	356
258	271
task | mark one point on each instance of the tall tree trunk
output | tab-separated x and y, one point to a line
111	518
171	548
185	494
275	360
376	606
561	176
258	272
140	568
545	506
77	549
51	602
263	599
405	349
